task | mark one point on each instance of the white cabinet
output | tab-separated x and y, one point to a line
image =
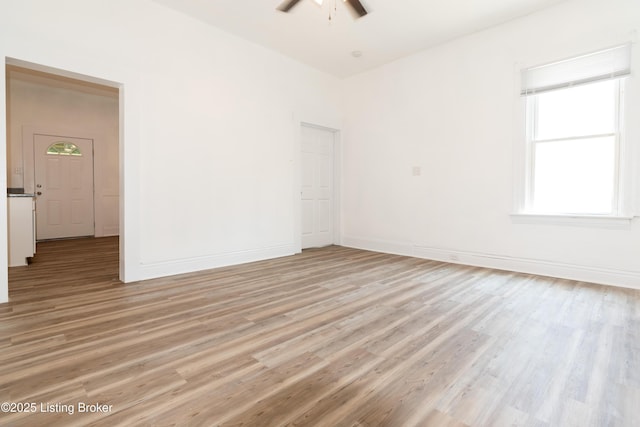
22	238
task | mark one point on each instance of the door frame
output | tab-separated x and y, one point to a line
297	183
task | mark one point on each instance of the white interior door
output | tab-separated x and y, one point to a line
317	187
64	187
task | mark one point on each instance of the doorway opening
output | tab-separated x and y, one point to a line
63	148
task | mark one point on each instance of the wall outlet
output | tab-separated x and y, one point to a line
454	257
17	171
417	171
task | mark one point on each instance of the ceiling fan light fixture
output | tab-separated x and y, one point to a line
355	5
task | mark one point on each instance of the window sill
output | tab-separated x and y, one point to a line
603	221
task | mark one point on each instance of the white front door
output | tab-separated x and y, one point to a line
64	187
317	187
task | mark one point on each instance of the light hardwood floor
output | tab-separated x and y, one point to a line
330	337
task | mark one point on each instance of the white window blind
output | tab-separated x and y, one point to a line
603	65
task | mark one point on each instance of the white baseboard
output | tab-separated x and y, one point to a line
604	276
152	270
108	232
386	246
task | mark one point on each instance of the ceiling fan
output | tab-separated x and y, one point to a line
357	7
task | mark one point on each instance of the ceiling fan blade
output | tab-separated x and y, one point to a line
357	7
284	7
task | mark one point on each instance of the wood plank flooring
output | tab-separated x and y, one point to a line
330	337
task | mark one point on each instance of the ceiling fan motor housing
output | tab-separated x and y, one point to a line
356	5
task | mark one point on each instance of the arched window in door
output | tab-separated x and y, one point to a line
62	148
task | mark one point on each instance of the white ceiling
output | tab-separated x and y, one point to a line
391	30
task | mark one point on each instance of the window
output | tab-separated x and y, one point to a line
62	148
574	134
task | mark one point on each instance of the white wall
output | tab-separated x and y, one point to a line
37	103
453	111
209	127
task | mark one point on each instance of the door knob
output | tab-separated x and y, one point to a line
39	193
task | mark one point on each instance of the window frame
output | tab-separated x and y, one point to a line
531	110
